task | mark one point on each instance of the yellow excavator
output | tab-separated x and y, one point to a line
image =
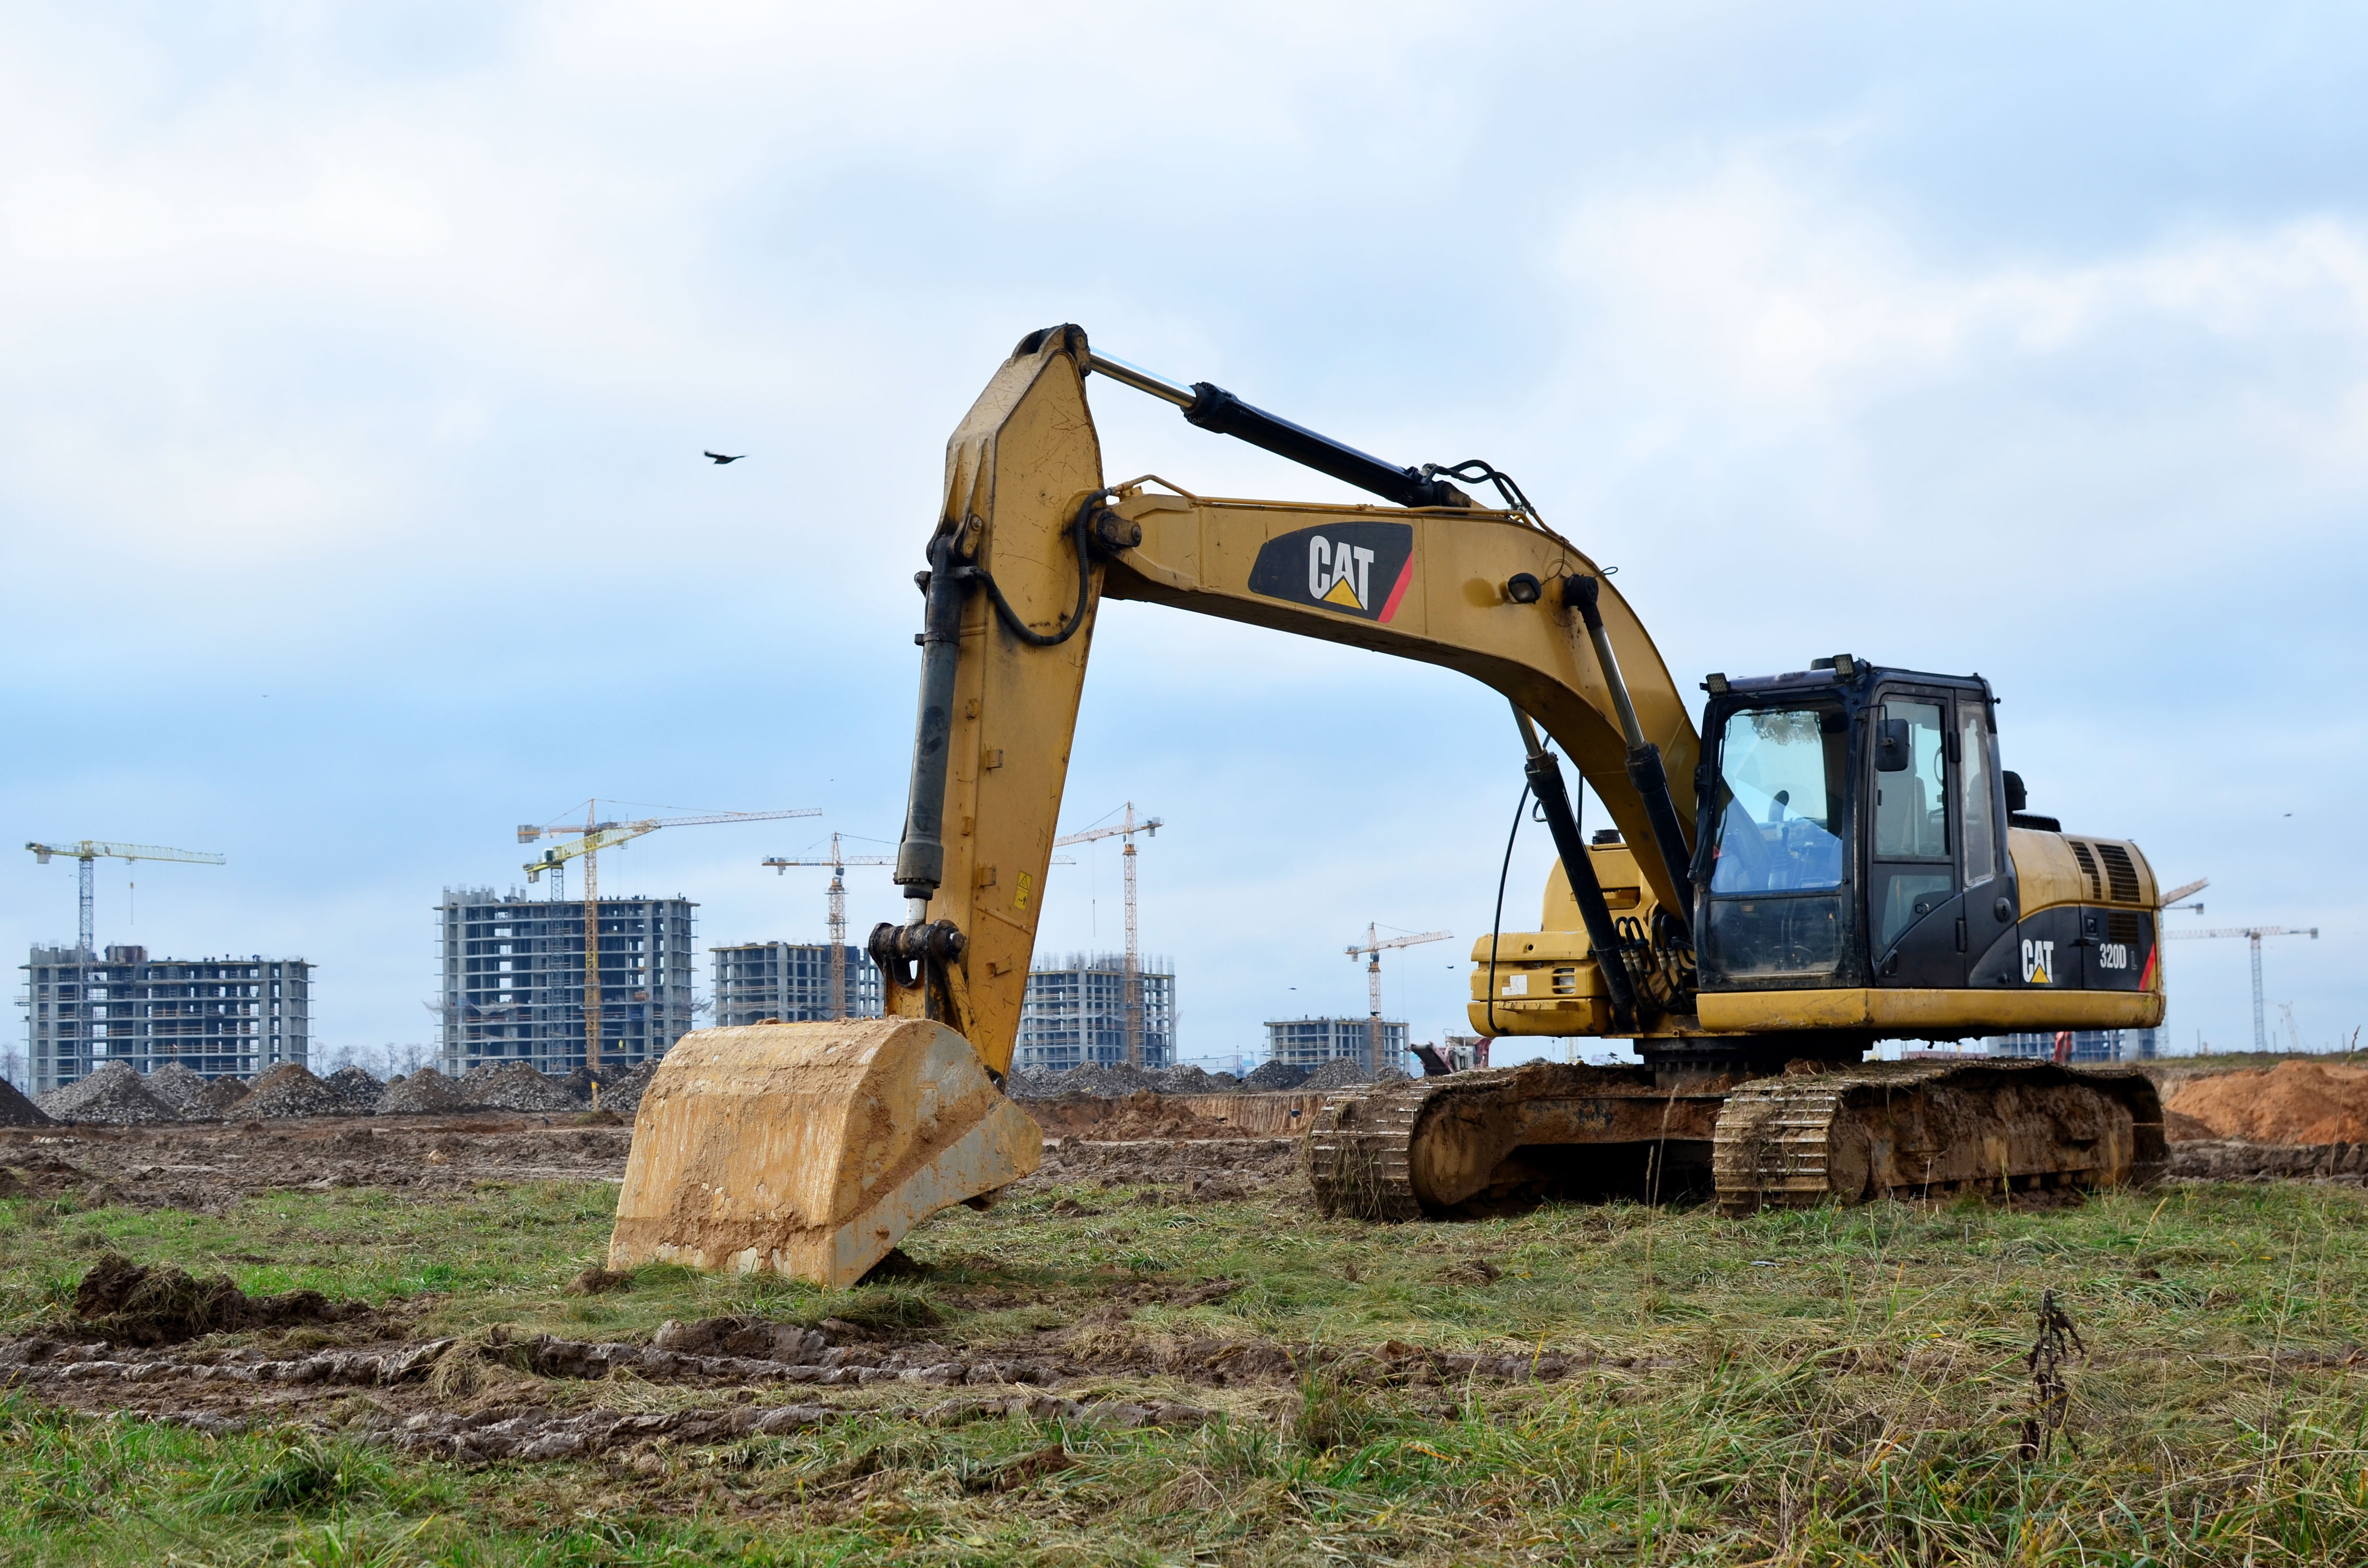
1833	859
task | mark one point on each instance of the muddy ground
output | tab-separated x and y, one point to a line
345	1367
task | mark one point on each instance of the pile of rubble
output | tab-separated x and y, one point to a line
179	1086
287	1090
513	1085
15	1110
119	1096
1095	1080
112	1097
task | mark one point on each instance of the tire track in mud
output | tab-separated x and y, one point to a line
410	1393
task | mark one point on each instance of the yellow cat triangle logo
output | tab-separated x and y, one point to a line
1343	595
2039	971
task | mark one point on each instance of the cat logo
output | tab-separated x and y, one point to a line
2038	962
1360	568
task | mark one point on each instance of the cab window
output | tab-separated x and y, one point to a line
1780	785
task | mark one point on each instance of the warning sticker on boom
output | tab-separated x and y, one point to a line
1359	569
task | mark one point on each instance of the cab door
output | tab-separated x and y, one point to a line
1914	892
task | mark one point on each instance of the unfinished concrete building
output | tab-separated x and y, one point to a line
792	981
513	978
1075	1012
220	1017
1311	1042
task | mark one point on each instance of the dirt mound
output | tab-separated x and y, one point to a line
112	1097
15	1110
289	1089
425	1093
217	1097
355	1087
134	1305
512	1085
2295	1102
1340	1073
1275	1076
178	1086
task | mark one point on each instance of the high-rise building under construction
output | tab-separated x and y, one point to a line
1075	1012
790	982
513	978
226	1016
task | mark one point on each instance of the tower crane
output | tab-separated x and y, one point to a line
90	850
1374	944
592	837
1126	829
839	862
2252	933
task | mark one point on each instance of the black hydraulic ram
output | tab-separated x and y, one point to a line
921	854
1645	770
1594	912
1213	408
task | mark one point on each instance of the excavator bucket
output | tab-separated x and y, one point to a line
810	1148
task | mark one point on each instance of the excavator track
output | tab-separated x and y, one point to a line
1470	1144
1931	1129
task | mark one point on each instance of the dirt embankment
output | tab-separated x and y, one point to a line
1148	1115
2306	1103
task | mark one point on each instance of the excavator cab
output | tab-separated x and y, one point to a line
1849	830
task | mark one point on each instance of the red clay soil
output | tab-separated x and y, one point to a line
2295	1102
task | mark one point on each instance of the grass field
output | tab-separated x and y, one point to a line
1830	1386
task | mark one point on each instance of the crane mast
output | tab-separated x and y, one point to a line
2252	935
593	837
1374	944
838	861
1126	829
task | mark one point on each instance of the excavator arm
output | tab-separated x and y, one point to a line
1031	539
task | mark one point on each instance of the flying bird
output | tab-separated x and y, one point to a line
720	458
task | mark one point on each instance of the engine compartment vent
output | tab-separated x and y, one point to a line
2124	927
2089	864
2121	871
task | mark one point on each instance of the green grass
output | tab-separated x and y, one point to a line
1836	1386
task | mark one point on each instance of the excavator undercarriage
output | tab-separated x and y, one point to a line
1833	859
1470	1146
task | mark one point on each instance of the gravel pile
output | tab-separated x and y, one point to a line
216	1098
1340	1073
180	1086
15	1110
112	1097
578	1084
512	1085
289	1089
622	1092
425	1093
355	1087
1274	1077
1190	1080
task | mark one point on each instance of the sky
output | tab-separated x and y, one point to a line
355	363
